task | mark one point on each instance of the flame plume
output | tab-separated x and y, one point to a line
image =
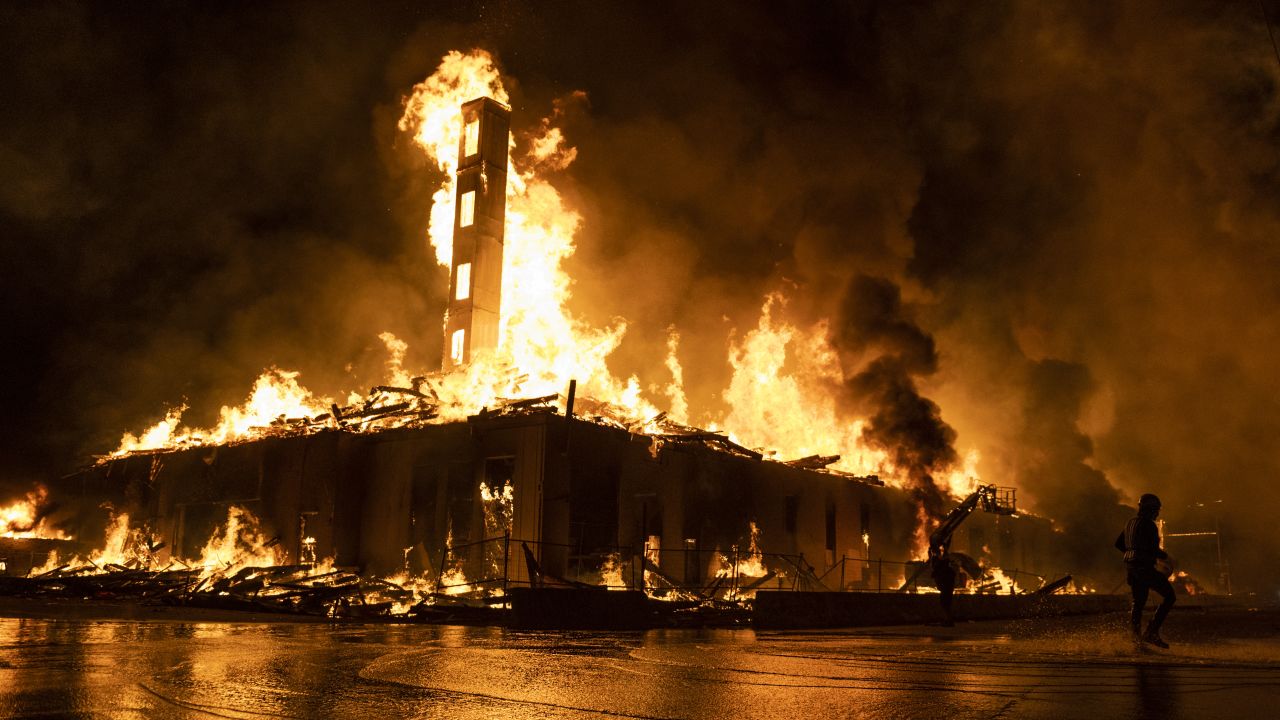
25	518
794	391
537	335
431	115
781	394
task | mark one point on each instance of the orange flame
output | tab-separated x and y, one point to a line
780	395
431	115
23	518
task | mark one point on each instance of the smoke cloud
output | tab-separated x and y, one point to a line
899	420
1055	472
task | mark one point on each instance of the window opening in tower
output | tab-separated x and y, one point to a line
468	211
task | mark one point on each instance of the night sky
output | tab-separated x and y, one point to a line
1069	214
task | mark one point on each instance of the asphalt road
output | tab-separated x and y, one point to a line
1224	663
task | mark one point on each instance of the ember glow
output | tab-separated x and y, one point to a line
235	545
750	562
1071	208
611	573
239	544
453	581
783	397
1008	585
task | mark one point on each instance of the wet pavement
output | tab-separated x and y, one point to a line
1224	663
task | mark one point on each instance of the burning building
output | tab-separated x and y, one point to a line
481	492
522	491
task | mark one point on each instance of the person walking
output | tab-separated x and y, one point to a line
1140	543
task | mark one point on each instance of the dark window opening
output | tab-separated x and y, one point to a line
977	540
831	526
499	471
1006	547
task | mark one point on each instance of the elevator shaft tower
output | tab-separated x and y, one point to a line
479	223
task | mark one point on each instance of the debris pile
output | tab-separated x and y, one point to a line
286	589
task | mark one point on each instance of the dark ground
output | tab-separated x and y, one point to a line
1225	662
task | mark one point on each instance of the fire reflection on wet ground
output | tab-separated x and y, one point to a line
1227	664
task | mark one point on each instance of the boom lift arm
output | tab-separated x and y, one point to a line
990	498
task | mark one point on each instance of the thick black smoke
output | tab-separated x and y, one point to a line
899	421
1055	471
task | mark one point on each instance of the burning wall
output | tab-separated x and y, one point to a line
459	501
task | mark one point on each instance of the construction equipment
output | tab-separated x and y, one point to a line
992	499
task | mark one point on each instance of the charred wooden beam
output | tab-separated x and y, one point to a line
516	405
734	447
754	584
813	462
392	390
382	410
531	563
653	568
1053	587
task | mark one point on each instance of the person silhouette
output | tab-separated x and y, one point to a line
1140	543
943	570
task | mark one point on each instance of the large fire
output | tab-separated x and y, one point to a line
779	396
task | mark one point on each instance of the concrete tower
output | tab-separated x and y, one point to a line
479	221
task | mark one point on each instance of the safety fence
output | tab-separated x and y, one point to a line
501	562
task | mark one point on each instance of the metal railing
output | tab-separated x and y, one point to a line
680	573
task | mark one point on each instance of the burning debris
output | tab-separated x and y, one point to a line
384	407
238	569
285	589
